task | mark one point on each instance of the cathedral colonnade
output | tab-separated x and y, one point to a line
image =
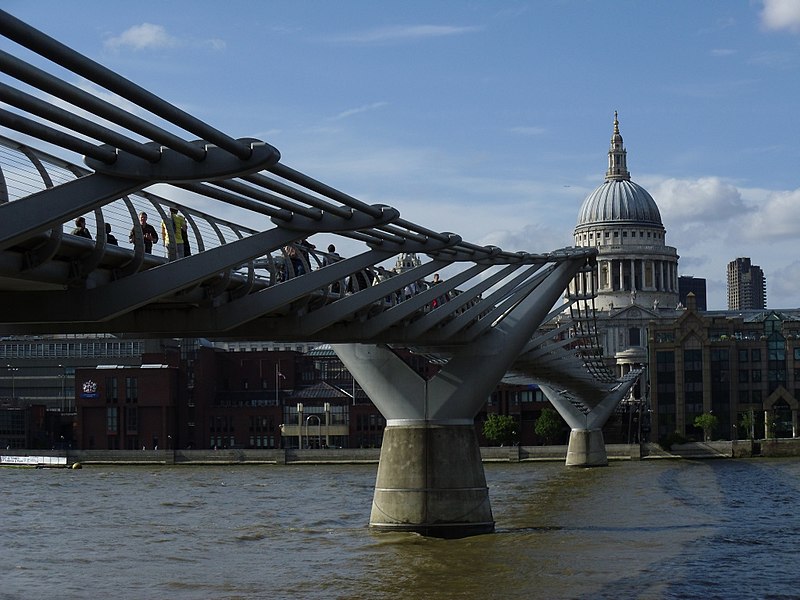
614	275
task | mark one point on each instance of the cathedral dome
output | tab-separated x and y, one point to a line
619	200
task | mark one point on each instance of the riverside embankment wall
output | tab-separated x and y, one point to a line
695	450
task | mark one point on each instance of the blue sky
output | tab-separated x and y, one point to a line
493	119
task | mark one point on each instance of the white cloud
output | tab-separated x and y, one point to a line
537	238
776	218
360	109
774	60
781	14
142	37
708	199
403	33
782	286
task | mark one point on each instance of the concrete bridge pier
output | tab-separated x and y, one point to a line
587	446
431	481
430	475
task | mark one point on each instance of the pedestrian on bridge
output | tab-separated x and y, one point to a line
110	239
80	228
176	250
148	233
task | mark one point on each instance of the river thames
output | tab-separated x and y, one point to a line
655	529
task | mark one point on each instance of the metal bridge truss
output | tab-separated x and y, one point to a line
569	357
238	281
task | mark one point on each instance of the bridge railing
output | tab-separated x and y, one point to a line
142	153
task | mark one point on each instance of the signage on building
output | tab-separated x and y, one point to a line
89	389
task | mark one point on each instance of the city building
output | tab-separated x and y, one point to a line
747	286
635	277
741	366
32	426
41	369
621	219
688	284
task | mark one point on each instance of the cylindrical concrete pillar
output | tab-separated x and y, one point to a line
586	448
431	481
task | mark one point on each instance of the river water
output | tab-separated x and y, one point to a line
655	529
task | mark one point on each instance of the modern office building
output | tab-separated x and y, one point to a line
741	366
688	284
747	286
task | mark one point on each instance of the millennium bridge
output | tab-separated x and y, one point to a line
67	154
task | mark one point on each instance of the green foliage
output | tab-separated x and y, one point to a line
747	423
707	422
500	429
548	425
667	441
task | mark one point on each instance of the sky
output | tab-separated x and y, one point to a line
493	119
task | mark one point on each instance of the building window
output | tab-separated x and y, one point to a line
112	419
755	354
112	394
756	375
634	336
131	419
131	390
744	376
743	355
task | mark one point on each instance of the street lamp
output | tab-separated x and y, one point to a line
63	378
278	377
327	408
13	385
319	430
299	425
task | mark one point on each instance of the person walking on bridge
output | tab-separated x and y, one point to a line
176	250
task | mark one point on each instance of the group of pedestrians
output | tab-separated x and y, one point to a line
298	255
82	231
149	234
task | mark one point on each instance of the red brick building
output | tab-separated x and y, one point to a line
126	408
192	395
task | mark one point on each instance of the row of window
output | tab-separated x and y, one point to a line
590	237
369	422
131	390
694	358
110	349
131	415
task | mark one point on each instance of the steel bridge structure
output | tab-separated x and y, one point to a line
250	275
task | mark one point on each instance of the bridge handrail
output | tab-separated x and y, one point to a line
235	261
